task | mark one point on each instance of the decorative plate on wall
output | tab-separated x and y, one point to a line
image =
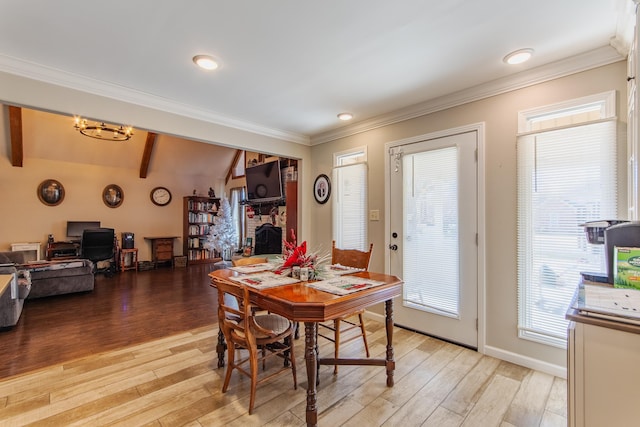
51	192
322	189
112	195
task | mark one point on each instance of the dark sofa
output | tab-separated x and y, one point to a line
40	279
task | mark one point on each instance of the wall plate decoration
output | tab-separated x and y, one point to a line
51	192
322	188
161	196
112	195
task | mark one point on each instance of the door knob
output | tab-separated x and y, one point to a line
393	247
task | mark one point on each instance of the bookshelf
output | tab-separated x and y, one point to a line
199	215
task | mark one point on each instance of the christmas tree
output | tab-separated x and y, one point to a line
223	236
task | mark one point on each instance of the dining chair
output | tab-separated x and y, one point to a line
348	258
262	336
247	261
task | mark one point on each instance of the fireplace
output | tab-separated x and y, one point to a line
268	239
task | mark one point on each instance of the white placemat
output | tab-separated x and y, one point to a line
264	280
253	268
344	285
338	269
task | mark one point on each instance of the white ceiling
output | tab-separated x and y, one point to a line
288	67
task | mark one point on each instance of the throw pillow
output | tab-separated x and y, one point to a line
24	274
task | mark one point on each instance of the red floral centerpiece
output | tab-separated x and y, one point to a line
294	255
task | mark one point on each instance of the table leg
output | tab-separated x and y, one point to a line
391	364
220	348
317	358
311	359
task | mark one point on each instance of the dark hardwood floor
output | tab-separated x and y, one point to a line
129	308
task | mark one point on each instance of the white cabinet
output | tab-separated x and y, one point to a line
603	373
35	247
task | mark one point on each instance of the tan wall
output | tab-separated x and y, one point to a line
499	113
84	167
25	218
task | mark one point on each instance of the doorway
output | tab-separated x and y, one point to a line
433	233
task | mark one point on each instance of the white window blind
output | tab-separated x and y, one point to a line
565	177
350	206
238	214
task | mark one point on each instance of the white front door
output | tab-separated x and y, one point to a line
433	241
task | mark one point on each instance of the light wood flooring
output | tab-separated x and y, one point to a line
174	381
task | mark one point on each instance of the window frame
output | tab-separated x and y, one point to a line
344	159
606	104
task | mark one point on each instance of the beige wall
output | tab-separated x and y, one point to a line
499	113
26	219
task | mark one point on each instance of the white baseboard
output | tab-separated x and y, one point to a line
507	356
527	362
374	316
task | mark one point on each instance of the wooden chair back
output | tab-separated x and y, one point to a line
237	318
351	257
348	258
254	333
233	312
247	261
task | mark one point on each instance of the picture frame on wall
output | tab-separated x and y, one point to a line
51	192
112	195
248	247
322	189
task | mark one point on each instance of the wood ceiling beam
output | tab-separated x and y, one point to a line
15	129
146	155
233	165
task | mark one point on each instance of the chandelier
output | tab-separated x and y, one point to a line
102	130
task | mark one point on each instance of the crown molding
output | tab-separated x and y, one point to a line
81	83
575	64
582	62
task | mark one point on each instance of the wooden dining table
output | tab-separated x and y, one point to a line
302	303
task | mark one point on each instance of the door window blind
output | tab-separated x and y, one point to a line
430	227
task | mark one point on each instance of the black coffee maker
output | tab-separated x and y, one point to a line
610	233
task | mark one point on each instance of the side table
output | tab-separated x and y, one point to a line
162	249
134	259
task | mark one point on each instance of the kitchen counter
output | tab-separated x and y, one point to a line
603	370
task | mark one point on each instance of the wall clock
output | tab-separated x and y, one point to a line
161	196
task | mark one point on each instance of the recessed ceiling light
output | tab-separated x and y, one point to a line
205	62
518	57
345	116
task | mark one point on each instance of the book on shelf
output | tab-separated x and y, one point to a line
200	205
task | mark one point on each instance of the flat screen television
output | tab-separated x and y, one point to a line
75	228
264	183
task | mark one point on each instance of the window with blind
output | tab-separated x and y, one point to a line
238	214
350	200
566	162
